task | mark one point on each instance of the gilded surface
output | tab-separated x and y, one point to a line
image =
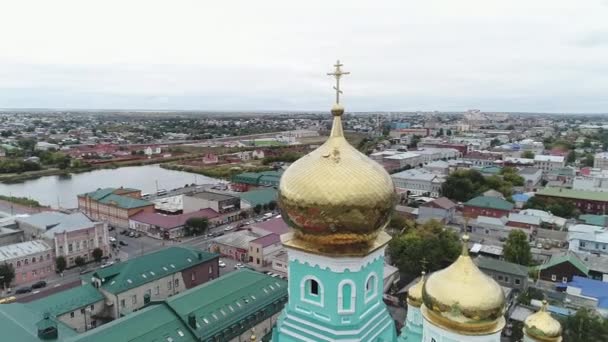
336	195
542	326
463	296
414	294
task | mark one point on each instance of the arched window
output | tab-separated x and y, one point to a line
371	287
346	297
311	291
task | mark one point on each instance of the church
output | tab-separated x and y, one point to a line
337	202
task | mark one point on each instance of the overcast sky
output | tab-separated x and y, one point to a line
534	56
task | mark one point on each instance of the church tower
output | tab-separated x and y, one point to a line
462	304
337	202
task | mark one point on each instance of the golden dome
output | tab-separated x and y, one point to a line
335	195
462	298
414	294
542	327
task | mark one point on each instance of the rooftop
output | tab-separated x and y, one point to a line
267	240
529	171
490	202
501	266
259	196
275	225
568	256
109	196
574	194
135	272
18	323
415	174
442	202
548	158
527	219
590	288
172	221
238	239
67	301
212	196
22	249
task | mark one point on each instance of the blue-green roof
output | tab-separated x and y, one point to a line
260	196
135	272
108	196
574	194
490	202
594	220
269	178
67	301
19	323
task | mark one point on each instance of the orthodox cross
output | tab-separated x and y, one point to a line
337	74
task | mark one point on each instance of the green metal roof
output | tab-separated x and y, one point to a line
494	170
220	304
594	220
153	323
138	271
490	202
67	301
261	196
570	257
257	178
502	266
19	323
107	196
574	194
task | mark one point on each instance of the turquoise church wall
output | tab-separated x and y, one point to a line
355	313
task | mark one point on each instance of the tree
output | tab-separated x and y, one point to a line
60	264
430	241
272	205
571	157
79	261
585	326
528	154
557	206
517	248
7	274
510	175
589	160
97	254
196	226
257	209
448	132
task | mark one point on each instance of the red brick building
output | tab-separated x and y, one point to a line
587	202
114	206
487	206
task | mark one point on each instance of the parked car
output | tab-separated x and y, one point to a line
222	264
229	228
237	266
110	228
107	264
137	235
112	239
39	285
22	290
122	243
131	234
123	232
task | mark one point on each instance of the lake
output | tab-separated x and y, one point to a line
62	190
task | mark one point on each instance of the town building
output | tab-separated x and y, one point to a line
71	235
31	260
588	202
419	182
169	226
481	158
487	206
588	293
600	161
275	225
505	273
234	245
225	205
547	219
562	267
583	238
113	205
532	177
441	209
157	275
523	221
595	180
548	162
81	308
248	180
252	198
438	167
401	160
261	249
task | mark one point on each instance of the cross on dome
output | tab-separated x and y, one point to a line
338	73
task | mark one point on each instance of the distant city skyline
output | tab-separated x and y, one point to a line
518	56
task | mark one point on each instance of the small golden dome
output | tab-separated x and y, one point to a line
414	294
542	327
462	298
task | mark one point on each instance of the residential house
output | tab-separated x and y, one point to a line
418	182
275	225
113	205
595	180
31	260
597	264
523	221
588	293
547	219
438	167
507	274
531	176
226	205
261	249
210	159
155	276
234	245
583	238
548	162
401	160
600	161
169	226
441	209
495	227
71	235
81	308
279	260
562	268
588	202
487	206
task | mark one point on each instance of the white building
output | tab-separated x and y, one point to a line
601	161
584	238
549	163
531	176
418	182
596	181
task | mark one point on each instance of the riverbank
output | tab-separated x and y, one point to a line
24	176
224	172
